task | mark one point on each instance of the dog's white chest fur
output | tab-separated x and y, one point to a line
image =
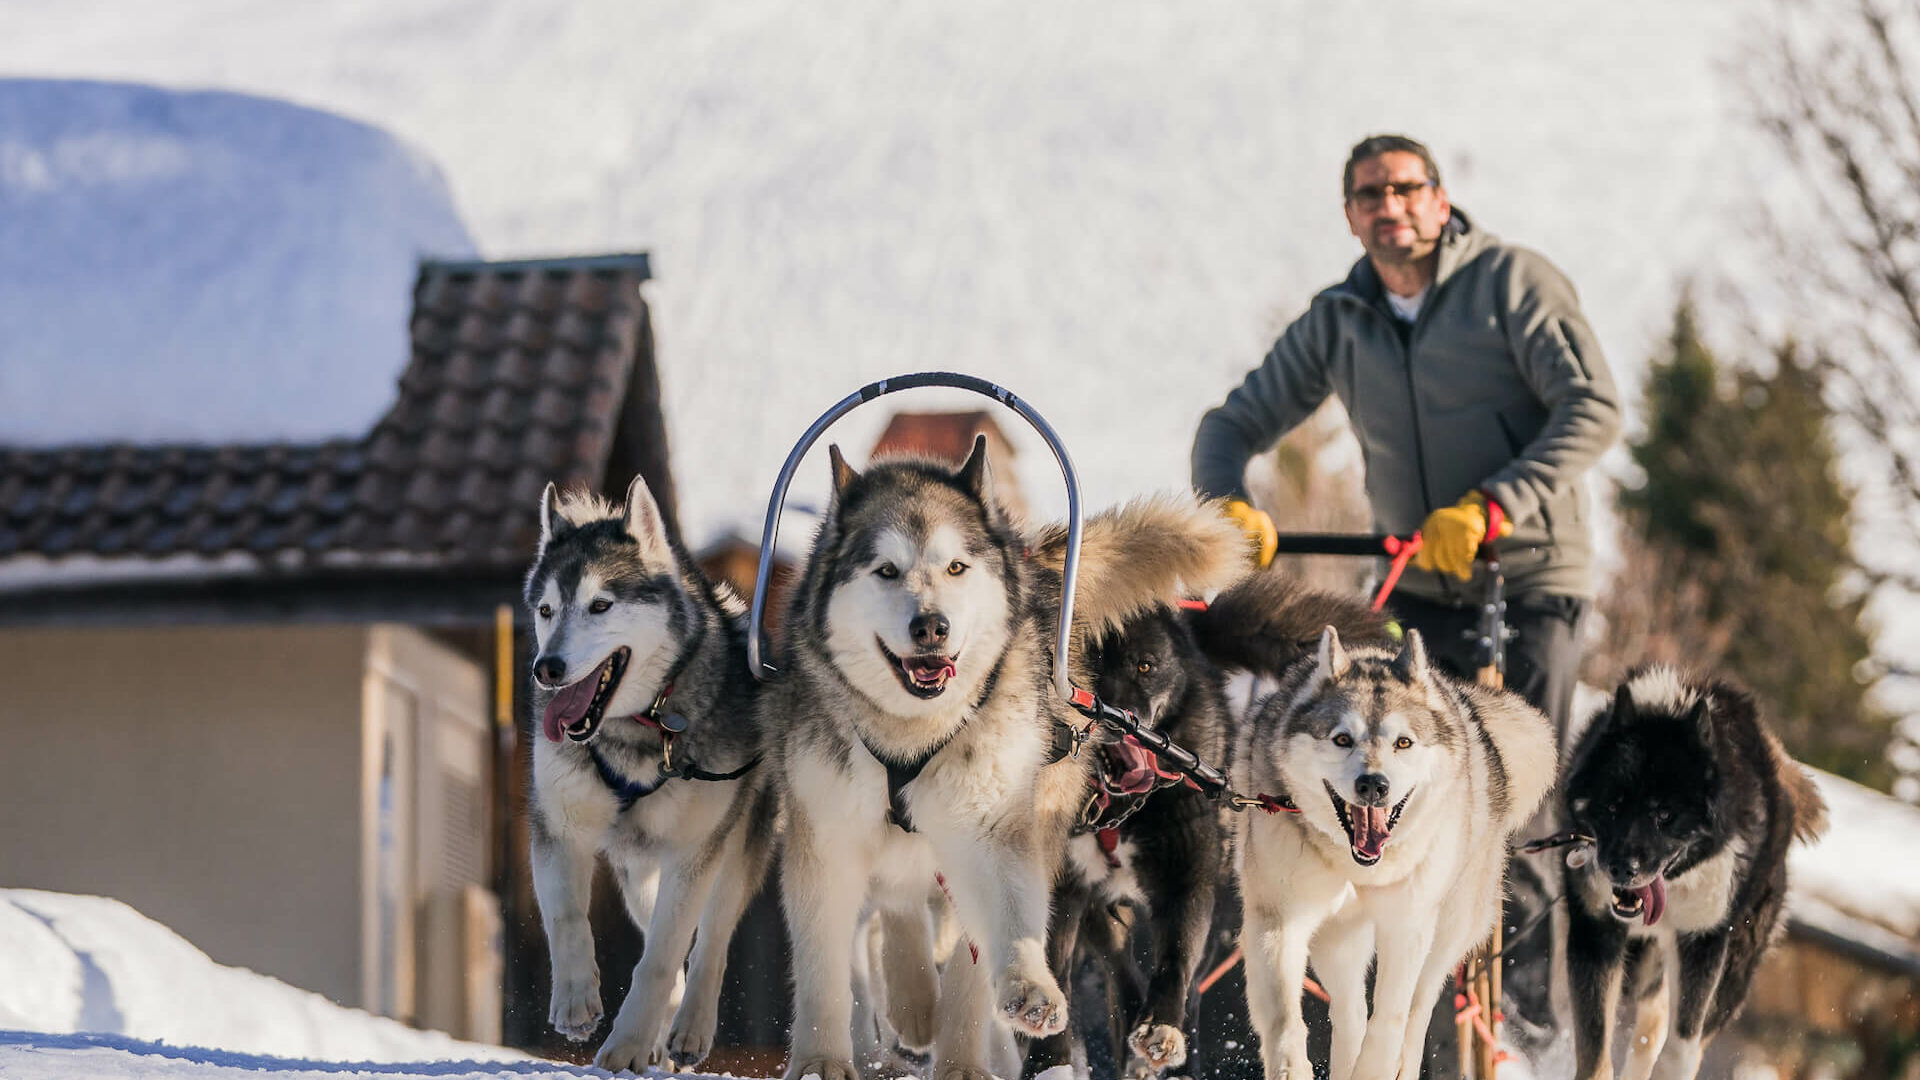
1112	882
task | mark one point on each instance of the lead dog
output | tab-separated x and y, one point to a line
648	758
920	739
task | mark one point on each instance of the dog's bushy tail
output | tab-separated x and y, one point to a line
1267	620
1146	553
1809	809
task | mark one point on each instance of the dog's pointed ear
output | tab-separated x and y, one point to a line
1411	664
643	521
1701	717
1333	657
1622	705
552	525
843	474
975	475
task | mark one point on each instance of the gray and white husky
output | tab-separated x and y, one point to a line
1406	786
919	739
646	755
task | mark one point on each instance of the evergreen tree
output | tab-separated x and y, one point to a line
1744	519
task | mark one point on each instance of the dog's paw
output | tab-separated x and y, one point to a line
821	1068
961	1072
1155	1047
625	1053
575	1010
1033	1005
690	1038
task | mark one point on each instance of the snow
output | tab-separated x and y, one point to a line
203	265
1108	207
1860	878
33	1056
90	964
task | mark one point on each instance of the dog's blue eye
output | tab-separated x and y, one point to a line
1343	740
600	607
888	571
546	611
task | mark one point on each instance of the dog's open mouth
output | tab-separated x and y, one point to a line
1368	827
923	676
1646	902
578	707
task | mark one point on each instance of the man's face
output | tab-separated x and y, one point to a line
1394	210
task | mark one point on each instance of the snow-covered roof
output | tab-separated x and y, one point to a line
1861	881
203	266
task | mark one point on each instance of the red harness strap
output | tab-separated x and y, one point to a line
1403	552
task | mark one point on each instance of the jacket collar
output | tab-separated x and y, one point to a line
1460	242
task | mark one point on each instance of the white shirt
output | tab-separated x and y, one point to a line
1407	307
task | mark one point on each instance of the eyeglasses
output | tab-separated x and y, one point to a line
1374	196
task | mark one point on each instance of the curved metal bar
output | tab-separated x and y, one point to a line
1061	683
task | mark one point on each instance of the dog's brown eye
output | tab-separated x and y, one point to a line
600	607
546	611
1343	740
1402	743
956	568
888	571
1144	666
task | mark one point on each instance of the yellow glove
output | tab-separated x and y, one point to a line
1258	527
1451	536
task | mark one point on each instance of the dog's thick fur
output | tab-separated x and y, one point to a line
1692	804
1408	786
613	598
921	633
1164	859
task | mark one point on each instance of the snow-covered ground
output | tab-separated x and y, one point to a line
87	964
1107	206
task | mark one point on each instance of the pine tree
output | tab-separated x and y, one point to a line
1741	547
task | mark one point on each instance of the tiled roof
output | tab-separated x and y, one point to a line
520	373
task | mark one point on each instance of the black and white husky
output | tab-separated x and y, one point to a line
1691	804
919	739
646	754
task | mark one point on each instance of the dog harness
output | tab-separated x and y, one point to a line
671	726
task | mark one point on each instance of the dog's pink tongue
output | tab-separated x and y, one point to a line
1136	771
1653	900
569	705
1369	829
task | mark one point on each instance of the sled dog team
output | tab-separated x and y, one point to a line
919	775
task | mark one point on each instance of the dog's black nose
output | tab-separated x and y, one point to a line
929	629
1372	788
550	670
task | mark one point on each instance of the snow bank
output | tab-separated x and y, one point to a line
1860	880
29	1056
90	964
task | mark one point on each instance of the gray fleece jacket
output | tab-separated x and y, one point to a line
1498	386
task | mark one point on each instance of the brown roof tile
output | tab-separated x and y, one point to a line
519	375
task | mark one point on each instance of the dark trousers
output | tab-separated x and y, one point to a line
1543	648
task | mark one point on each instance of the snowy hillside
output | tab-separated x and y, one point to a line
182	266
1109	207
89	964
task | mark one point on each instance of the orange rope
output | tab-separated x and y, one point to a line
1233	958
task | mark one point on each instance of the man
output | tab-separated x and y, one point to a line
1479	396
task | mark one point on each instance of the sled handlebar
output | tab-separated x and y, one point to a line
756	662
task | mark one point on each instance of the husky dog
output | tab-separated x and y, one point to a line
1691	804
919	738
647	757
1395	789
1144	839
